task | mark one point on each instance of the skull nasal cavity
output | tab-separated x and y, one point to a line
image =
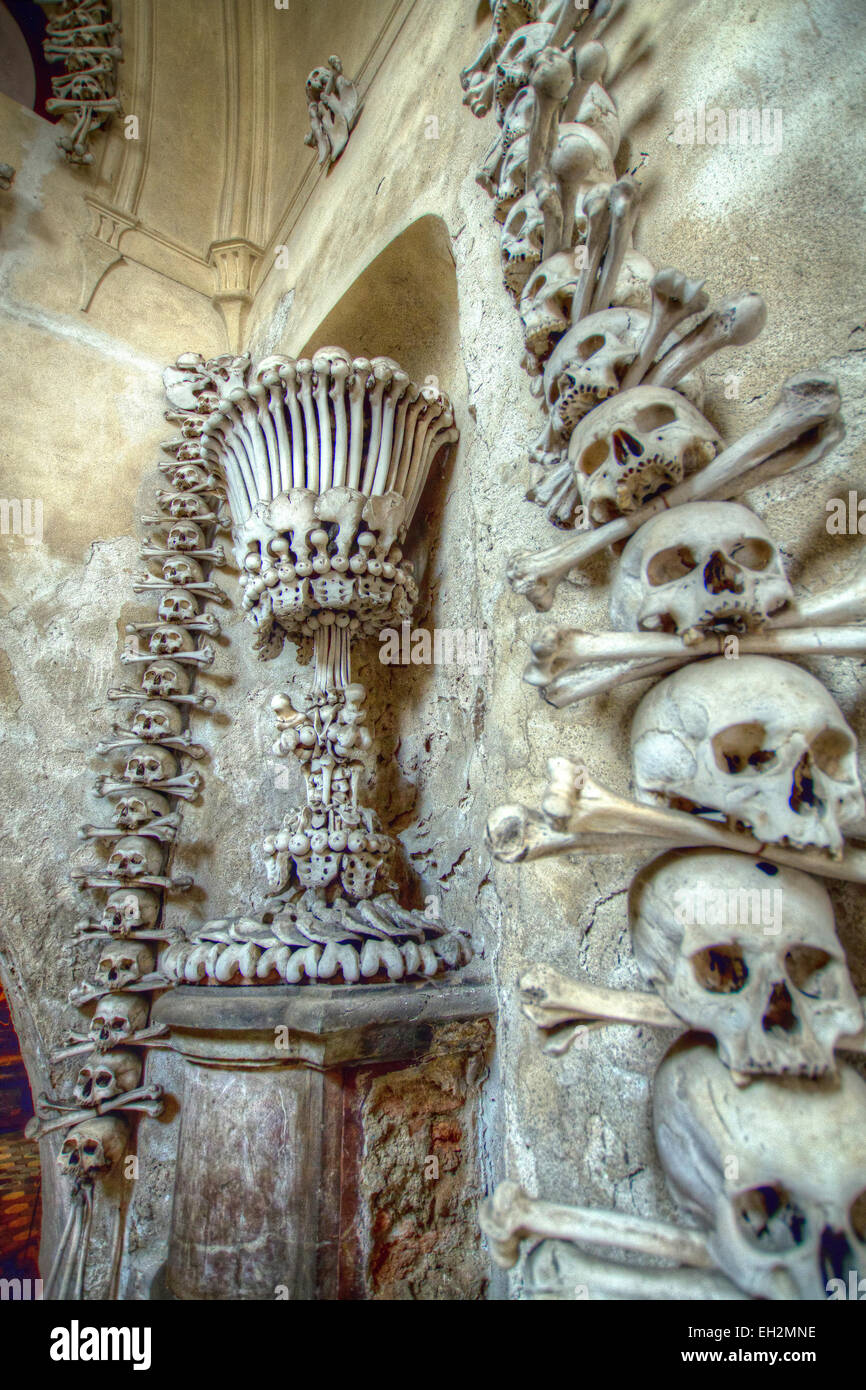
836	1256
720	575
803	792
780	1010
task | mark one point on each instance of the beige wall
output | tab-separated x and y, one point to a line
395	249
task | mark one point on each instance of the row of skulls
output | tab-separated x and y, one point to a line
756	1125
145	788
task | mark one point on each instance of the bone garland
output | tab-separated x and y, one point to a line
578	815
333	107
144	799
803	427
307	941
81	35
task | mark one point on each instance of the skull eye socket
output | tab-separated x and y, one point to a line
720	969
740	748
670	565
806	966
829	750
590	346
103	1079
752	553
593	457
654	417
770	1219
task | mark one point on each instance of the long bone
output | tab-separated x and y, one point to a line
186	786
86	993
563	654
596	210
92	877
204	622
157	552
552	1001
203	656
152	1036
128	692
624	204
162	828
146	582
574	804
733	323
801	428
511	1216
609	1280
675	299
147	1100
182	743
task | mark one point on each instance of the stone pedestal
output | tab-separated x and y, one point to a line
266	1191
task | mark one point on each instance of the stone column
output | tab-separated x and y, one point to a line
267	1166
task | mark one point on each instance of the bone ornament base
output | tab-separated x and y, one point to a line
801	429
579	815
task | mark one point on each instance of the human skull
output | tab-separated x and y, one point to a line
109	1076
586	366
760	740
177	606
156	719
188	477
747	951
512	178
182	570
702	567
636	445
545	304
124	964
150	763
163	679
185	505
135	856
185	535
168	640
773	1172
116	1019
515	63
91	1149
521	242
132	811
127	911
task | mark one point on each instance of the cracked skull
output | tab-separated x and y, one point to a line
91	1149
134	857
747	951
773	1172
757	739
130	911
702	567
185	535
636	445
163	679
149	764
112	1075
177	606
133	811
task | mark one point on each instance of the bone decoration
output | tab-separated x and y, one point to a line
783	1220
82	34
333	107
324	460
